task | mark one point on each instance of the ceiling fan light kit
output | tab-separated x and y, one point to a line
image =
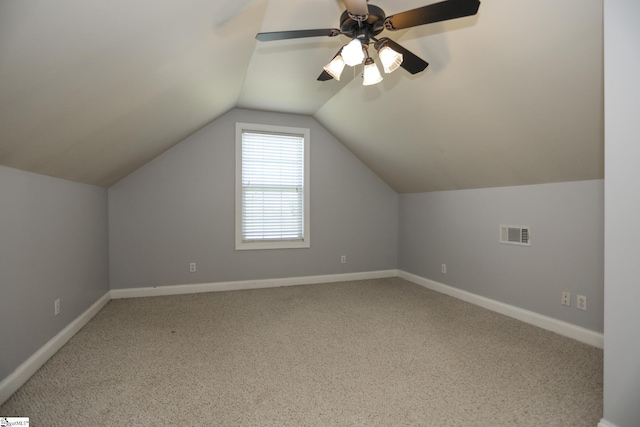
352	53
335	67
390	59
370	73
362	22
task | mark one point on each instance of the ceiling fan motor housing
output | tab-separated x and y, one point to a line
363	30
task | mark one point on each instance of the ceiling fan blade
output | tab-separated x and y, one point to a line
357	7
443	11
324	77
296	34
410	61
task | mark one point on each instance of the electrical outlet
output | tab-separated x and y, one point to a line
343	259
192	267
581	302
56	307
443	268
566	299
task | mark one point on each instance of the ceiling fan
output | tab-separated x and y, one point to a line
362	22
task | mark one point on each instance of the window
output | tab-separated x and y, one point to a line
272	187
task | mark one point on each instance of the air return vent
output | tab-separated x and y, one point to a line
515	235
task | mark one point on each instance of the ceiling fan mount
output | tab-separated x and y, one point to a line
363	22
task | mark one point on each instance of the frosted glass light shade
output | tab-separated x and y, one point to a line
371	74
335	67
353	53
390	59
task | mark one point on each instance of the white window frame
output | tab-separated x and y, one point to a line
272	244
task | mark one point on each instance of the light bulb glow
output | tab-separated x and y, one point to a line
371	74
353	53
390	59
335	67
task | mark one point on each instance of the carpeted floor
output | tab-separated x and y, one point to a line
376	352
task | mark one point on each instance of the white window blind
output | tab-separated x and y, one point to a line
272	184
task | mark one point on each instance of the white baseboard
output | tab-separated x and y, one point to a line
605	423
247	284
13	382
578	333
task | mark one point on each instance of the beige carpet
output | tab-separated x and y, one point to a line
376	353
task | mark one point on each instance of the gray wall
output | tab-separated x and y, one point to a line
53	244
461	229
179	208
622	213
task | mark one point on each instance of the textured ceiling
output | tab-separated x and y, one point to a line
90	91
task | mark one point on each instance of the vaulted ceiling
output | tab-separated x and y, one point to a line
92	90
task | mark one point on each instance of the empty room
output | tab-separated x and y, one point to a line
320	212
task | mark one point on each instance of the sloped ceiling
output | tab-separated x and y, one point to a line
90	91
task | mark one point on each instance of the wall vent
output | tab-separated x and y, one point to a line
515	235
